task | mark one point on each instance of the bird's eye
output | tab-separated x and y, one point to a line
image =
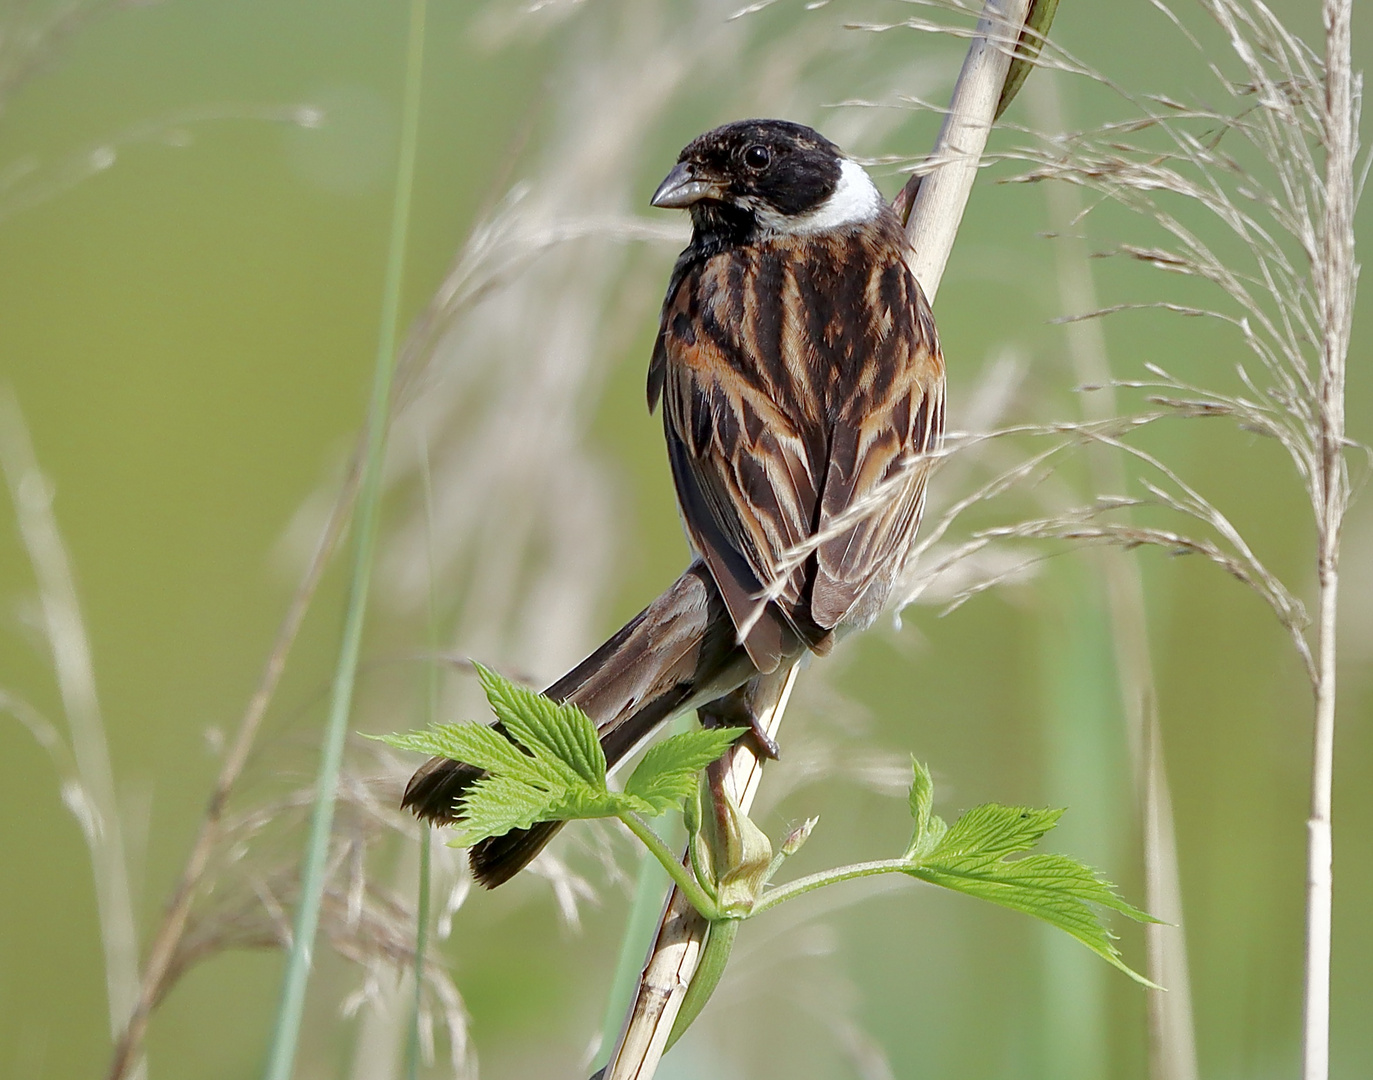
757	156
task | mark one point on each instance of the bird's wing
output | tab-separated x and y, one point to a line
880	454
746	479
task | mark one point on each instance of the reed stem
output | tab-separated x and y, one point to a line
1335	278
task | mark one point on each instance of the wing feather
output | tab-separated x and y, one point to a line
881	455
744	486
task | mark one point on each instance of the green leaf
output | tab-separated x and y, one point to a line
543	762
971	857
538	722
991	831
714	956
667	773
584	802
921	798
495	804
1037	23
482	746
929	829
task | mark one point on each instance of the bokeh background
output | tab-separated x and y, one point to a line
194	204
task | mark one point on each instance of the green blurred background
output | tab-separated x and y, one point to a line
189	290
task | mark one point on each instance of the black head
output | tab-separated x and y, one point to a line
773	176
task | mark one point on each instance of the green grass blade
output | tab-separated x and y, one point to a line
290	1009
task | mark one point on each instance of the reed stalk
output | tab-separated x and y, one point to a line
1336	274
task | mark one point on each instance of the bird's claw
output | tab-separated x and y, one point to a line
764	743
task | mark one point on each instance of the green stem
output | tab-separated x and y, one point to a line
792	889
701	872
290	1010
774	866
690	887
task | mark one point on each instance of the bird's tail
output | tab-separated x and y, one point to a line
680	652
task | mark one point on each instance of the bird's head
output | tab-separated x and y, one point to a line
771	177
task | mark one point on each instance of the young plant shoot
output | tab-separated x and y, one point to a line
551	768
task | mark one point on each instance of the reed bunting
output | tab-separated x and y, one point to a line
802	390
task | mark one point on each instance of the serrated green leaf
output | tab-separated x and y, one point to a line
667	773
971	858
543	762
537	722
585	803
630	804
993	831
496	804
481	746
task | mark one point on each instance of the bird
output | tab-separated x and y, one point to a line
801	382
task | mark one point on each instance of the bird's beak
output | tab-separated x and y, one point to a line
683	186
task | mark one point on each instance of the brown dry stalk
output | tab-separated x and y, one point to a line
936	211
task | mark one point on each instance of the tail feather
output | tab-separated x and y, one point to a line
678	653
496	860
